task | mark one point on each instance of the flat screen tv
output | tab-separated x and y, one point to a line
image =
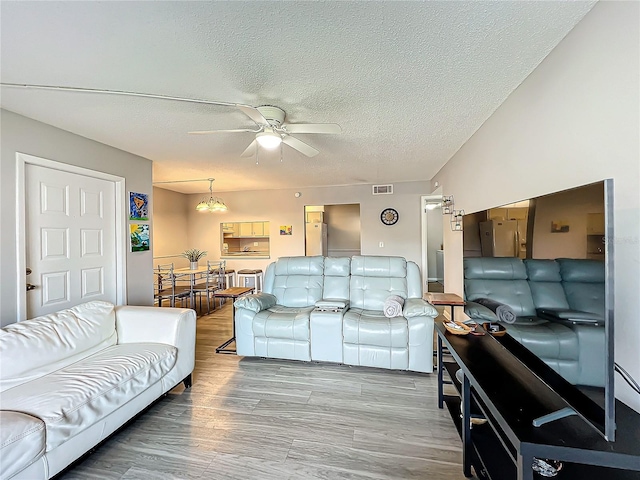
573	223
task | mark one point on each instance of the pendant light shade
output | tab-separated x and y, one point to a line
214	204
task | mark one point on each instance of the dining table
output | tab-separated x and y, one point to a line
193	274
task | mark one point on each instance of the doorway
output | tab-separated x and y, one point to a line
70	236
432	242
332	230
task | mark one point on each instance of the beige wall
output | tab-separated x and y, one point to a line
573	121
281	207
571	206
343	229
170	228
21	134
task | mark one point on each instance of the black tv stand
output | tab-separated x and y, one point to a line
500	388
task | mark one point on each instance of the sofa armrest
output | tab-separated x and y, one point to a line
256	302
479	312
172	326
417	307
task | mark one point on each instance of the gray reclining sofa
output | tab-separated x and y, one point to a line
331	309
559	306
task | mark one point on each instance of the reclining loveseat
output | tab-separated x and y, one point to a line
331	309
559	305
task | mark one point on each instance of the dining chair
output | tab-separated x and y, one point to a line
214	279
164	285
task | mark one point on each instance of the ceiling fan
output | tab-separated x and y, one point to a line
270	134
272	131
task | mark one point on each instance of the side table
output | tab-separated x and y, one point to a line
448	299
233	293
452	300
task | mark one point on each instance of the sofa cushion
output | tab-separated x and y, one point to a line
300	266
297	290
542	270
375	266
54	341
583	284
73	398
22	441
585	297
369	327
494	268
283	322
555	344
581	270
515	293
396	358
544	283
336	277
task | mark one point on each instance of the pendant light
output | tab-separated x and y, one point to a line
214	204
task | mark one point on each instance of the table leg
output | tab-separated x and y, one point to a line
223	348
440	375
466	427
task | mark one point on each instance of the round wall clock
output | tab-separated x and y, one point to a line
389	216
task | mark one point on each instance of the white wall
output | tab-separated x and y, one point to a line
281	207
573	121
170	227
22	134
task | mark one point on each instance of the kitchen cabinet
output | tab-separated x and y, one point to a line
244	239
252	229
595	223
595	236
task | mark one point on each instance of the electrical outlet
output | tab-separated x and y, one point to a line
255	244
381	245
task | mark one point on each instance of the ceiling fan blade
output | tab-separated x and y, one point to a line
207	132
254	114
312	128
250	151
299	145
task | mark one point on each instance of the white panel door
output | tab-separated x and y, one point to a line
70	239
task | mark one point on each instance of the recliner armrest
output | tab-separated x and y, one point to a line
480	312
576	316
256	302
417	307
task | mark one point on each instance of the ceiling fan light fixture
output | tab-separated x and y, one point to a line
269	139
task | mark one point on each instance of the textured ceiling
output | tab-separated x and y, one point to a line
409	82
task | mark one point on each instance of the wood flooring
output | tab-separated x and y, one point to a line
255	418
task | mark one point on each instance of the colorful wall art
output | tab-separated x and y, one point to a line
138	206
285	230
139	237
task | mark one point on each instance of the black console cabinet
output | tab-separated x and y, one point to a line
499	387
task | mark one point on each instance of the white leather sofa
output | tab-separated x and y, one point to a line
70	379
331	309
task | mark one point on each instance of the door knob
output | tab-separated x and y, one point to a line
31	287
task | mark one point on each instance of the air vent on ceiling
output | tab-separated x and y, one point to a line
383	189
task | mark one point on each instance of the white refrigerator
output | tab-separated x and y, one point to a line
503	238
316	239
